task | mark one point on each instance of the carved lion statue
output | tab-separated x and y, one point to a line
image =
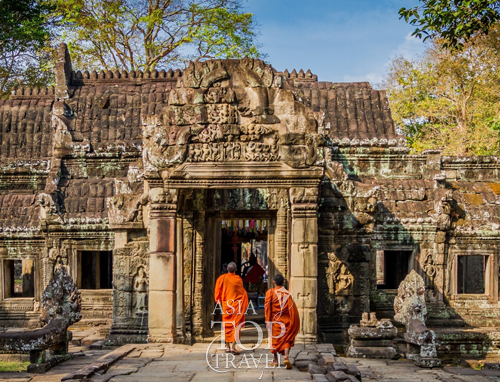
61	299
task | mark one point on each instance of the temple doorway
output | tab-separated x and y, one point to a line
245	242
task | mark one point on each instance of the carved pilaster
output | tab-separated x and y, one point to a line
281	260
304	259
187	278
198	294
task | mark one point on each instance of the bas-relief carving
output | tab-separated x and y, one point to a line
340	281
130	279
443	209
141	291
225	114
429	266
241	199
301	195
162	196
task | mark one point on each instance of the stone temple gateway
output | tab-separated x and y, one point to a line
127	179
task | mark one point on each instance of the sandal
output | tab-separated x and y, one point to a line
288	364
235	352
272	364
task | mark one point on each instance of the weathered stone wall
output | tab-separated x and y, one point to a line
111	161
436	207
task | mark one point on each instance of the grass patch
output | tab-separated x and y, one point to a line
6	366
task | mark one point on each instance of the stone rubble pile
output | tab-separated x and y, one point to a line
322	363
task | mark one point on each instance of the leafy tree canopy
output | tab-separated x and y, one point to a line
454	21
24	32
144	34
449	99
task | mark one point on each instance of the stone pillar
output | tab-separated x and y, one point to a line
162	266
304	259
198	292
188	274
281	237
180	319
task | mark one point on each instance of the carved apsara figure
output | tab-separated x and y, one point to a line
141	291
339	278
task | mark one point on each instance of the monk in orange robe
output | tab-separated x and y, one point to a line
282	319
233	299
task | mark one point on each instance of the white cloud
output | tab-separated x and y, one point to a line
410	47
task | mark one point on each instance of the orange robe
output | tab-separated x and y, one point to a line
280	307
230	292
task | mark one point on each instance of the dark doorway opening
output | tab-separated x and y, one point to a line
19	276
392	268
96	269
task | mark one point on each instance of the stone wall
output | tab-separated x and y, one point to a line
113	161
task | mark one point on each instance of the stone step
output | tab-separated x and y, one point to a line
87	341
97	345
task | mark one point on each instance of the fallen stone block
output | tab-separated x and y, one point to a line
311	357
319	378
354	371
372	352
88	341
325	348
97	345
428	363
326	359
337	376
316	369
340	366
302	365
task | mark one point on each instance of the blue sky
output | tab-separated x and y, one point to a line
339	40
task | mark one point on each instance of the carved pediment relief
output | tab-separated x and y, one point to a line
224	111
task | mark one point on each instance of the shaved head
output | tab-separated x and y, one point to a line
279	280
231	267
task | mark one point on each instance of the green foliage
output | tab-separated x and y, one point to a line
455	21
142	34
23	24
449	99
24	33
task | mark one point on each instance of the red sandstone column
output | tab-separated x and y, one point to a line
162	266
